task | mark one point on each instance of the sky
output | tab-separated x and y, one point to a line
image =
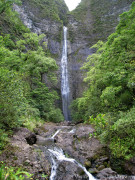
72	4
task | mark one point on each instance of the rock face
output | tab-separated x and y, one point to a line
91	21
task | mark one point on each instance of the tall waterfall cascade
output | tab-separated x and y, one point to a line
65	90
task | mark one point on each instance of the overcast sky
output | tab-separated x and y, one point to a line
72	4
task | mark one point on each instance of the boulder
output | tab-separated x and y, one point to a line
70	171
44	141
101	167
107	172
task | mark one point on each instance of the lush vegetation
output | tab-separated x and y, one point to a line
108	103
11	173
55	10
99	17
62	10
25	99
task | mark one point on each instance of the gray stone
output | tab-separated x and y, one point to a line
101	167
107	172
44	141
93	171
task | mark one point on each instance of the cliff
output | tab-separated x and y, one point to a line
100	17
91	21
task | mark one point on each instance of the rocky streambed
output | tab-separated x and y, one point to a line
63	152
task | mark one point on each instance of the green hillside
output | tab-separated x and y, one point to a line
109	102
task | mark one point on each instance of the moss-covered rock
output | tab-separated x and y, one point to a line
99	18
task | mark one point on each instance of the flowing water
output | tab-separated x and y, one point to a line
56	153
64	79
54	169
59	155
56	133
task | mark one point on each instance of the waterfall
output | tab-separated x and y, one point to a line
64	79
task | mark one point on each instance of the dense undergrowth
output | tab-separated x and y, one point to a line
99	17
12	173
25	100
109	102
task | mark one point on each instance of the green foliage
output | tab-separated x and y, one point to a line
6	4
122	135
30	61
3	138
62	10
11	173
110	76
31	122
99	123
10	22
55	10
25	72
12	99
98	17
44	176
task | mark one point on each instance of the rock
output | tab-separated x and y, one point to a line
70	171
101	167
27	163
93	171
44	141
31	139
74	141
87	164
130	166
101	160
107	172
28	157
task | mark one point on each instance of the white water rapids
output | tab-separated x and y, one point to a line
64	79
59	155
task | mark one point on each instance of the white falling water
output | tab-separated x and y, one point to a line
54	169
64	80
56	133
58	153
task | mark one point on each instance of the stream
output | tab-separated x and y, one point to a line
57	156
